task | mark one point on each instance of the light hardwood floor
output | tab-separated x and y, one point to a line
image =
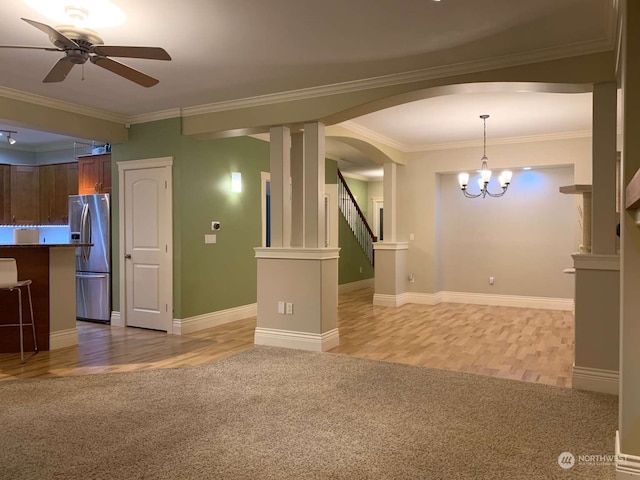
517	343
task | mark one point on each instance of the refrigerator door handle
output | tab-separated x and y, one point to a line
91	275
85	230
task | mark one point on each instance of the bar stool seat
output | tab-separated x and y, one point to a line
9	281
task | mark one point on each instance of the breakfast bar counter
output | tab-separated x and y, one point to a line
52	270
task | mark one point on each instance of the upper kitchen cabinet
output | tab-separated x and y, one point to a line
94	174
57	182
25	198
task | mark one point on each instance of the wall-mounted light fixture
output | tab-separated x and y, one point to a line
236	182
8	134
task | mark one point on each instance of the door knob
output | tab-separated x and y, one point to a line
127	256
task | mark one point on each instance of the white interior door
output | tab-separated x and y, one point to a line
147	253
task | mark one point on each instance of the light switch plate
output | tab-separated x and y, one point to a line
281	308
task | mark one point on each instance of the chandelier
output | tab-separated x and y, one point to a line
485	174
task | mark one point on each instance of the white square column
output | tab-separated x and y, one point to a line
628	439
314	153
297	189
298	280
603	212
390	192
280	166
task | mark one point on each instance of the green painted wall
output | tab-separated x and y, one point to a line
330	171
209	278
360	190
214	277
351	256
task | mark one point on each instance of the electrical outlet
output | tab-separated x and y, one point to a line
289	308
491	280
360	269
411	278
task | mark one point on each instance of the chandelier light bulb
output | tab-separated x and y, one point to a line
463	179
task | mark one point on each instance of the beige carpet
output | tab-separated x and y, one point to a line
273	413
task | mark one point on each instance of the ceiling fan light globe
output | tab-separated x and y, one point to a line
99	13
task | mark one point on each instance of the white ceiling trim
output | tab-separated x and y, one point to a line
61	105
372	135
154	116
502	141
548	54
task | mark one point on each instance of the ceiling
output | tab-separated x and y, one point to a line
224	50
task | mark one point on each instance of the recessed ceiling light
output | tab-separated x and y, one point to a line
526	168
80	13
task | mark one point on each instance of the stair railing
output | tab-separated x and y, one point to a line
355	218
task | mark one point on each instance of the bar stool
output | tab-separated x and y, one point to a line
9	281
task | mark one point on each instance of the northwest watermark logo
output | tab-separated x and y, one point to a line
568	460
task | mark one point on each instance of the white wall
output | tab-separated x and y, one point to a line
420	205
524	239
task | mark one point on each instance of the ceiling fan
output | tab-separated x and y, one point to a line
80	45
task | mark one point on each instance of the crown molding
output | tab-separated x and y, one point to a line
536	56
154	116
501	141
62	105
373	135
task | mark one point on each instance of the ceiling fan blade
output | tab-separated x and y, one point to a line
49	49
56	37
59	71
125	71
151	53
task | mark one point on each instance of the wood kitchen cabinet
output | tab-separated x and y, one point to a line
57	182
94	174
25	197
5	194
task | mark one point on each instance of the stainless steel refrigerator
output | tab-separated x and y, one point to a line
90	222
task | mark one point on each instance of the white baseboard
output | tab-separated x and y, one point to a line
63	338
213	319
116	319
627	466
383	300
317	342
546	303
595	379
360	284
422	298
